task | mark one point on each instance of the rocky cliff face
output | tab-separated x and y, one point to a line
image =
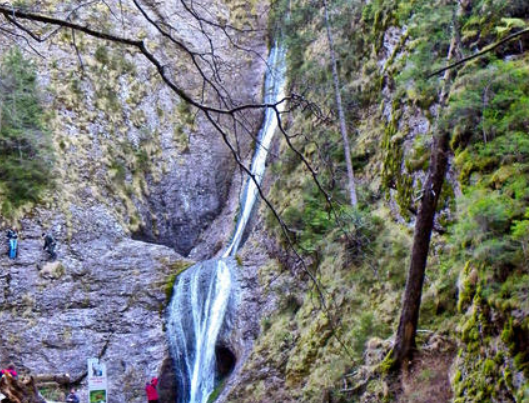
104	297
140	177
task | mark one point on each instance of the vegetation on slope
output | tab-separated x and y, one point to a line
475	294
26	157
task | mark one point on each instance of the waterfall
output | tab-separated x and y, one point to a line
201	295
274	92
196	315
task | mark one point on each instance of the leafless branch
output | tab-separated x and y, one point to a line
79	57
480	53
139	45
207	65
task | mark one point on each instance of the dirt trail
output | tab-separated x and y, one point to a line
427	380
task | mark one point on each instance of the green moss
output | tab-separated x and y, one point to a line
419	157
521	362
388	364
523	393
52	393
507	335
467	289
169	286
118	171
486	227
102	55
185	111
405	193
181	137
489	367
457	377
216	392
177	268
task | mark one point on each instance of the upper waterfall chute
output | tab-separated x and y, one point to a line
274	92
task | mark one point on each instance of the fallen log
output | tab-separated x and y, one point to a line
62	379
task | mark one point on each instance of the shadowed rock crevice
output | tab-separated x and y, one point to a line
183	204
167	386
225	361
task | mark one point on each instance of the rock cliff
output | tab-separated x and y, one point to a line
139	179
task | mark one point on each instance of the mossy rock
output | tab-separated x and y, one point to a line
177	268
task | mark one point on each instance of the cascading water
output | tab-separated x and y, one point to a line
201	296
275	91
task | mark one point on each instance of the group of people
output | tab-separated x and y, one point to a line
150	387
12	244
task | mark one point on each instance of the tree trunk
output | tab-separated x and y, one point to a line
405	341
53	378
341	115
411	304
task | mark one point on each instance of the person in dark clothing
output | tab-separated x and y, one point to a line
72	397
49	245
150	389
12	240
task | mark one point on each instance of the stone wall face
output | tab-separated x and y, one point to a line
140	178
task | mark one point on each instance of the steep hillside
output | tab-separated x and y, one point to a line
474	324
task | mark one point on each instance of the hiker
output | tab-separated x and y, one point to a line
12	240
9	370
152	393
72	397
49	245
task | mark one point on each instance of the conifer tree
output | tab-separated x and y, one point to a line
25	145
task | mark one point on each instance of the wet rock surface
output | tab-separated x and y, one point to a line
182	205
252	305
167	384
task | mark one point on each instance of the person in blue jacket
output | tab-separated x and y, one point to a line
12	239
72	397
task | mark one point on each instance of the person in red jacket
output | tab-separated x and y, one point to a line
10	370
150	389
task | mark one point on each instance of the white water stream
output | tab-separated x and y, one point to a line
202	293
274	92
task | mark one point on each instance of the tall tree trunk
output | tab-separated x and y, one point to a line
341	115
405	341
407	330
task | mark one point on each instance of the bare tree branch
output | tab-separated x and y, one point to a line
14	13
208	66
480	53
